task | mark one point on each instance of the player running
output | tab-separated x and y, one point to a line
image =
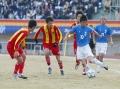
83	38
78	16
103	40
51	38
16	51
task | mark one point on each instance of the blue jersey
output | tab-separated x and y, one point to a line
104	31
82	34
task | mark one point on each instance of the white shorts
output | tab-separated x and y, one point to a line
101	48
83	52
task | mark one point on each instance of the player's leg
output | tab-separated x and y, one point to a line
78	52
21	68
22	53
60	63
80	57
101	49
13	55
84	64
77	60
47	57
98	49
55	50
19	59
91	58
75	51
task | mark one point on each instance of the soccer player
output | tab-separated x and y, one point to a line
78	16
83	38
51	38
16	51
103	40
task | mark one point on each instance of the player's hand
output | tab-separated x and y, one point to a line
55	44
111	43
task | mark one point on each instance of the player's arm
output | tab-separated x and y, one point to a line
95	33
110	40
66	36
69	33
110	36
23	44
37	35
58	34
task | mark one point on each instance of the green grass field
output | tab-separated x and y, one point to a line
36	70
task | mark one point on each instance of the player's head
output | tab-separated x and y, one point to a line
32	24
83	20
79	15
103	20
49	20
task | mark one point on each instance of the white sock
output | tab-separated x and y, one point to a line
97	62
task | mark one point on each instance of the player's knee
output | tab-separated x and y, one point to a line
47	52
16	54
24	56
19	61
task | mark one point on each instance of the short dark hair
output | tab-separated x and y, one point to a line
48	19
83	18
79	12
32	23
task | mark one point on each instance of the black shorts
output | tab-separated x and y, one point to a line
91	44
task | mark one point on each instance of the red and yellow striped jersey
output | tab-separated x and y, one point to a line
50	35
19	38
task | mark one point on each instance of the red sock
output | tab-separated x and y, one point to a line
47	60
17	66
21	67
60	65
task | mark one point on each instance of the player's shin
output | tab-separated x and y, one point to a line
97	62
21	67
48	63
61	67
47	60
17	66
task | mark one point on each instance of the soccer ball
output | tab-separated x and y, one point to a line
91	73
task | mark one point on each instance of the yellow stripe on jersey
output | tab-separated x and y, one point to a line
53	34
46	34
19	37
